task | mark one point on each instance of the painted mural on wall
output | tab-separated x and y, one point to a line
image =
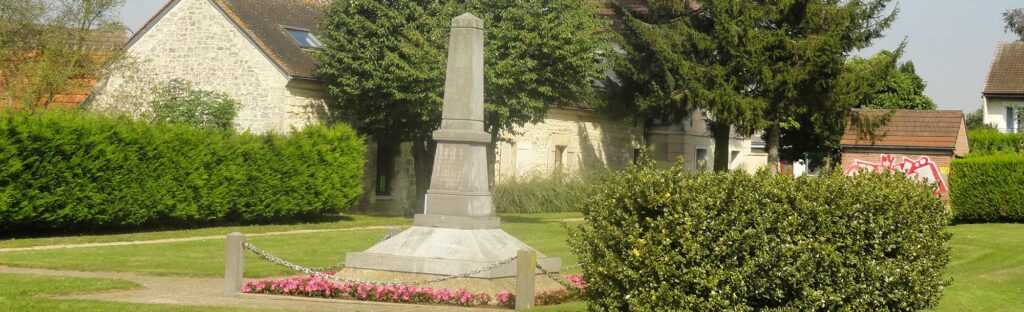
922	169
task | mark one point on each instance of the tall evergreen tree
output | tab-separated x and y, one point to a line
750	64
808	42
681	57
384	64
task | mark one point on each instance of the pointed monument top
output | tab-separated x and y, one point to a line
467	20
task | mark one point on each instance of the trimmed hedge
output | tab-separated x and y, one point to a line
987	142
987	188
677	240
69	171
542	193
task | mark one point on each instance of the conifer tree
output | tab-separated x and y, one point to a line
750	64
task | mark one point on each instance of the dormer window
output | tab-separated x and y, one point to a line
304	38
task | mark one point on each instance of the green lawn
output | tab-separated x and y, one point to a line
987	259
987	266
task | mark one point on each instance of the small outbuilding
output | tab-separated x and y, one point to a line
920	143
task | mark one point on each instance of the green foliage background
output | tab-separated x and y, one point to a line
987	188
384	62
178	101
66	171
676	240
559	192
987	142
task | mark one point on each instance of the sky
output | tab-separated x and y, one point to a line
950	41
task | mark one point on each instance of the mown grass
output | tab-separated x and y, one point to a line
987	267
204	258
987	262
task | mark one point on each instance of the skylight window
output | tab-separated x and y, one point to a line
304	38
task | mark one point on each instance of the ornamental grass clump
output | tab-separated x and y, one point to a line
677	240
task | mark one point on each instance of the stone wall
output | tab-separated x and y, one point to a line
194	41
572	139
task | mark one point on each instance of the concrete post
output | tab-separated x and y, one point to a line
233	264
526	265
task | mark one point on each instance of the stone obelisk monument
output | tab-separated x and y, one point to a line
458	231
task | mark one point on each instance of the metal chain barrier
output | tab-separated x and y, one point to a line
557	278
275	260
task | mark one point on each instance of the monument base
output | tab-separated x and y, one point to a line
446	252
478	285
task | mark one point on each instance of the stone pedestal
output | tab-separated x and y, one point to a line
458	231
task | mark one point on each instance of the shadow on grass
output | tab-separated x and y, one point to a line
46	233
524	219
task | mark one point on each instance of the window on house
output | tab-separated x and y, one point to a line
304	38
385	169
1011	120
559	157
701	159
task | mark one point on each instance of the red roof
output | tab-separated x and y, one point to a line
940	129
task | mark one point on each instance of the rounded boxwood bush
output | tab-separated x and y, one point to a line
69	171
676	240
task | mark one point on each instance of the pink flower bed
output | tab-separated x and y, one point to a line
319	287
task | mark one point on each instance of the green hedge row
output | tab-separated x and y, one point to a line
558	192
987	188
987	142
69	171
677	240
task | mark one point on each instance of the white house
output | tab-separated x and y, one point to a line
1003	96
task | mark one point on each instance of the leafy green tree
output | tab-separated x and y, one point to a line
822	126
751	65
384	64
180	102
44	50
901	89
976	121
1014	19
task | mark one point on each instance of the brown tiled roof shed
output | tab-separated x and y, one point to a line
911	129
1006	76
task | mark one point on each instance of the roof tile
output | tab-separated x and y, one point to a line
909	128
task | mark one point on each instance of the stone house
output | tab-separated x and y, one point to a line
260	52
921	143
1003	96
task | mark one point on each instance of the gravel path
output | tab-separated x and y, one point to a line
208	292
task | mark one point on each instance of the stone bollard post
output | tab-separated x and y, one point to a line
233	264
526	266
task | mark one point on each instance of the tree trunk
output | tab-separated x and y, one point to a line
773	147
423	159
721	132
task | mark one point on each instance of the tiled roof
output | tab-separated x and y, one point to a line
1006	76
264	22
909	128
